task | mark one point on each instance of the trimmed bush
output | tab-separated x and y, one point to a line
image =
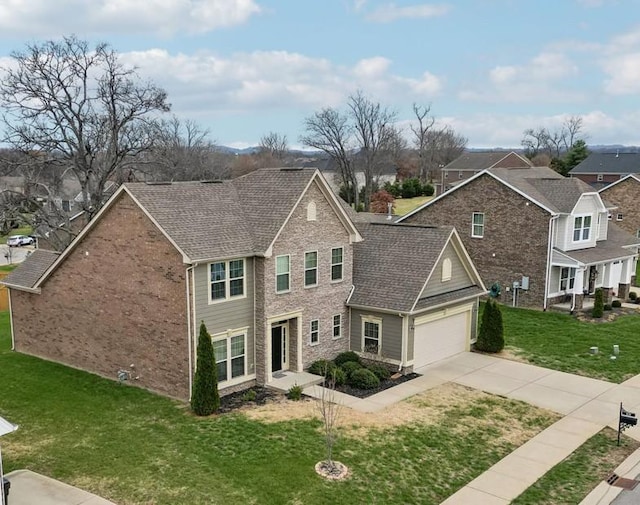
206	398
616	304
598	304
380	371
633	295
491	334
295	393
322	367
363	379
607	307
249	395
345	357
350	366
337	376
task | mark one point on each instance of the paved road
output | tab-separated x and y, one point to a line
10	255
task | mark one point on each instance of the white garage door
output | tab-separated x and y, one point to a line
441	338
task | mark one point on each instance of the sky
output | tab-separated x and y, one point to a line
488	68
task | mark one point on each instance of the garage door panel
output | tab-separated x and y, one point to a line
441	338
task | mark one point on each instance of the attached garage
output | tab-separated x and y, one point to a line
441	334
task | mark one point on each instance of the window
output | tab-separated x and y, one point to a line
618	217
311	269
371	335
311	211
599	177
336	263
567	278
337	326
477	227
609	216
581	228
446	174
314	333
638	234
460	174
446	270
283	273
227	280
230	355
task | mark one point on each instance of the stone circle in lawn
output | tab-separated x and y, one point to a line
332	471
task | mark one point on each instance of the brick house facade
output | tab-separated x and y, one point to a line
625	195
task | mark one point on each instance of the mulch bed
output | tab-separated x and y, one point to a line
608	315
234	401
386	384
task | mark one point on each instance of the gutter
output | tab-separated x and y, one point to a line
547	279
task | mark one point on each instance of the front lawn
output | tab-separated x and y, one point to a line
23	230
134	447
561	342
405	205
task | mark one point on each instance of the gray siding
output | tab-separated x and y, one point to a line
459	276
222	316
391	332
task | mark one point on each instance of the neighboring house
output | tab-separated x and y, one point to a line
472	162
533	227
625	195
602	169
415	296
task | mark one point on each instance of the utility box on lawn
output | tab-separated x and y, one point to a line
5	489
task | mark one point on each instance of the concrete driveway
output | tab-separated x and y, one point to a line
14	255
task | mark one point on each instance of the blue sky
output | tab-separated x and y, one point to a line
489	68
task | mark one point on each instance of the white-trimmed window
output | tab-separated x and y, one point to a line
227	280
310	269
581	228
371	333
619	217
231	357
337	262
337	326
311	211
446	270
283	273
567	278
599	177
477	225
609	216
314	332
459	174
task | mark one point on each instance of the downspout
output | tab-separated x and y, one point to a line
254	315
405	340
552	221
187	278
13	337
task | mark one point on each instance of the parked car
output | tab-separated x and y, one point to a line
20	240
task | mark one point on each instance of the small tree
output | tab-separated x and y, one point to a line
329	411
598	304
491	334
205	399
380	201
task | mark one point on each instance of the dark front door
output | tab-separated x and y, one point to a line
276	348
593	274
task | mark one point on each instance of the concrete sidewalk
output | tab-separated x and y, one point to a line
30	488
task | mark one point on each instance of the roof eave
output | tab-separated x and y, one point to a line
28	289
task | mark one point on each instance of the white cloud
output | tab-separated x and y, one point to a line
391	12
624	74
44	18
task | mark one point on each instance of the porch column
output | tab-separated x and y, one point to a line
299	345
607	282
625	279
578	288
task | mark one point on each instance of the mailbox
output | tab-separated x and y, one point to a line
628	418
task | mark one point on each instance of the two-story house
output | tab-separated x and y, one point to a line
266	261
540	237
602	169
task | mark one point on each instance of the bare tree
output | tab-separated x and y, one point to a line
421	138
329	410
82	108
573	128
274	144
553	143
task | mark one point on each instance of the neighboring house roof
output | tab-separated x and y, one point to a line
609	186
619	244
479	160
31	269
393	263
608	163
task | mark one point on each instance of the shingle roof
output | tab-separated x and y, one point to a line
608	163
393	262
545	185
606	250
31	269
222	219
450	296
477	160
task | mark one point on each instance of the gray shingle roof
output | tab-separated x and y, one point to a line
608	163
451	296
223	219
545	185
606	250
474	160
393	262
28	272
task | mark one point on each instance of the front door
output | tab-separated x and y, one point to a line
278	348
593	274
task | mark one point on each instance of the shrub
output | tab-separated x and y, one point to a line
206	398
350	366
606	307
322	367
249	395
295	393
345	357
428	189
380	371
633	295
363	379
411	188
380	201
337	377
491	334
616	304
394	189
598	304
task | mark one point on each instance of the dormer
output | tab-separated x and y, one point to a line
586	224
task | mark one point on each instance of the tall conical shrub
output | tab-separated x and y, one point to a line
205	399
598	304
491	334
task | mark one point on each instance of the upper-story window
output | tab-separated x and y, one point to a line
599	177
337	255
618	217
310	269
311	211
446	270
226	280
477	225
581	228
460	174
283	273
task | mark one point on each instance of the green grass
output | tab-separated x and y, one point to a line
405	205
638	274
561	342
7	268
23	230
570	481
134	447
